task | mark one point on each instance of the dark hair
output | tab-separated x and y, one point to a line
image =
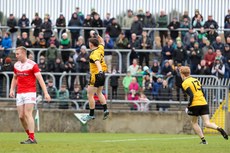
94	41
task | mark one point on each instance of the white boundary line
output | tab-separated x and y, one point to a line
148	139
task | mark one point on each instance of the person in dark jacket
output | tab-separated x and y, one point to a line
164	94
179	54
202	69
167	51
23	23
113	29
24	41
150	22
210	22
175	24
114	83
195	57
70	67
133	45
87	23
36	23
83	65
75	33
59	67
97	22
162	23
136	26
61	23
12	23
46	28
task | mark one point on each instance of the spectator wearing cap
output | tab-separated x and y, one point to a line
6	44
212	34
107	21
209	57
36	24
218	68
166	70
127	22
61	24
227	27
226	54
52	90
24	23
97	22
175	24
188	35
162	23
180	54
218	44
113	29
87	23
145	44
210	22
195	57
52	54
46	28
83	65
141	16
136	27
12	23
109	44
198	22
150	22
63	94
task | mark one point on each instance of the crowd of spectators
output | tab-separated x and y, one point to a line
198	45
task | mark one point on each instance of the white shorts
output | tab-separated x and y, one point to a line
26	98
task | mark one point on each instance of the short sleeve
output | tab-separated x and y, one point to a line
185	85
36	68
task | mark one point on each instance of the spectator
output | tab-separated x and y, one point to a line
218	44
185	16
65	44
75	33
175	24
209	57
87	23
202	34
46	28
180	54
40	41
198	22
212	34
167	70
24	23
188	35
114	83
150	22
155	69
147	86
24	41
197	16
52	90
63	94
1	78
134	67
83	65
227	17
36	24
144	99
6	45
133	92
109	44
61	24
156	86
141	16
126	82
226	54
48	17
165	94
59	67
127	22
133	45
107	21
162	23
97	23
113	29
178	83
195	57
206	47
218	68
227	27
210	22
12	23
53	40
136	26
203	69
76	94
70	67
80	42
167	51
42	64
79	14
184	25
52	54
145	43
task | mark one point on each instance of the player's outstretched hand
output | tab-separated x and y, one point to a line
47	97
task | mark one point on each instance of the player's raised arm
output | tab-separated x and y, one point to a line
43	86
13	86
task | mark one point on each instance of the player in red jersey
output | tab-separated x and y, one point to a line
26	72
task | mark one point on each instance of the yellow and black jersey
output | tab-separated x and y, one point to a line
193	88
97	55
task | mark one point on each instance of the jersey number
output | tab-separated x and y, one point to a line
196	85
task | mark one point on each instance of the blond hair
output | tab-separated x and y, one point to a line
185	70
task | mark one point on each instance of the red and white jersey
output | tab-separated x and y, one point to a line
25	72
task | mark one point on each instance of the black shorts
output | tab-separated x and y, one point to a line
95	81
198	110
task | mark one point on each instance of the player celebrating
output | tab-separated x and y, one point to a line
97	76
197	105
26	72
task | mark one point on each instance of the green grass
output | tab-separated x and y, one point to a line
112	143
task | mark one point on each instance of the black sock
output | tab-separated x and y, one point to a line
91	112
218	129
105	107
203	139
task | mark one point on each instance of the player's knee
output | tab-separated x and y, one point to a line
21	116
206	124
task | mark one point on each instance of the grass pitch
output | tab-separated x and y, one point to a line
112	143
